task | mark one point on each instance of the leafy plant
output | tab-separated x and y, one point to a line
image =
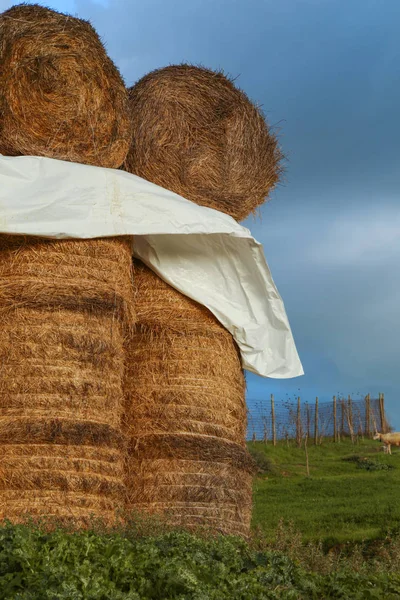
362	462
263	462
37	563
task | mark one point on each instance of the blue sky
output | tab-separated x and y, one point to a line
326	75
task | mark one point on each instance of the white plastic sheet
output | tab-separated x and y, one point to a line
201	252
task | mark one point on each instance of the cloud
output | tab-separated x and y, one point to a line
357	239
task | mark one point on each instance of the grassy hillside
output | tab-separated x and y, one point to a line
351	494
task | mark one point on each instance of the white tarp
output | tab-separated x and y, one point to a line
201	252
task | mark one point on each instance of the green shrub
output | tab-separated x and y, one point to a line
263	463
38	564
355	458
362	462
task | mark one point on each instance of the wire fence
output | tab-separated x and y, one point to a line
341	417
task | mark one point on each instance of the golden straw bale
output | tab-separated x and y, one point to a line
70	508
18	460
190	481
183	370
60	94
190	446
217	517
211	486
198	135
179	385
68	458
93	275
66	308
158	306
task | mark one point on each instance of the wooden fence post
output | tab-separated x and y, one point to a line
368	416
382	413
265	436
308	420
273	420
350	409
350	418
316	422
299	433
306	451
342	431
360	430
334	420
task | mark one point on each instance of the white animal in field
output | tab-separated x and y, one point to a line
389	439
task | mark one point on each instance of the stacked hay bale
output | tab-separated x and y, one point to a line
186	413
179	376
65	305
197	135
60	94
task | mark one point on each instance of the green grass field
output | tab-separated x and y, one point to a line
342	500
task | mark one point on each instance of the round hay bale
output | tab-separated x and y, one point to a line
183	370
189	446
66	307
71	509
159	307
179	385
219	518
60	95
93	275
198	135
211	486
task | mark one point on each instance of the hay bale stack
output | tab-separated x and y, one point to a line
198	135
64	305
65	309
60	94
186	413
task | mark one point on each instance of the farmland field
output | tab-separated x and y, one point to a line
352	492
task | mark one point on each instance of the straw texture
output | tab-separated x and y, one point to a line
186	413
198	135
60	94
183	371
66	307
194	481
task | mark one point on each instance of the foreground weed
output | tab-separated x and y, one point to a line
139	562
